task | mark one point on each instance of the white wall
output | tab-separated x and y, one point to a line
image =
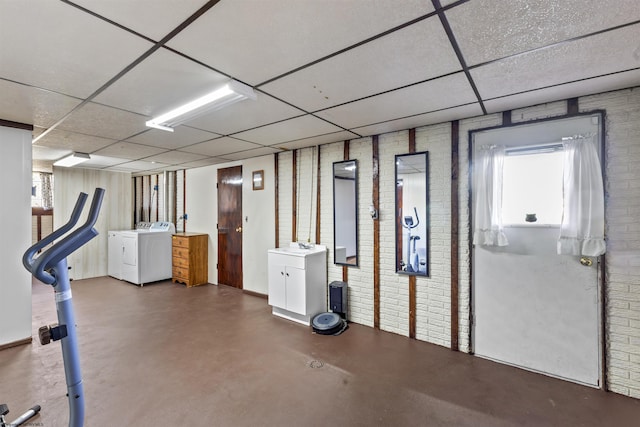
15	216
258	212
115	213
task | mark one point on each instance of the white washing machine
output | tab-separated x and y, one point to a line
142	255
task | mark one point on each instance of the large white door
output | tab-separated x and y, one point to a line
531	307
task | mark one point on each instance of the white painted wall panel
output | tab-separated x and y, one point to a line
15	215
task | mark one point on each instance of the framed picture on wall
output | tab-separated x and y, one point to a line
258	180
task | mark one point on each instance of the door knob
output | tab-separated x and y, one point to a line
239	229
586	261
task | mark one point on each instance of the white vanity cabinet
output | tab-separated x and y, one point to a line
298	282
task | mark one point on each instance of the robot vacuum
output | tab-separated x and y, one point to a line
328	324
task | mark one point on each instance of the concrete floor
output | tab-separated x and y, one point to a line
213	356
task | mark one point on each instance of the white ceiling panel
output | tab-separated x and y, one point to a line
180	137
138	165
455	113
205	162
246	115
159	19
412	54
220	146
560	63
161	83
103	121
564	91
48	153
445	92
257	40
289	130
318	140
492	29
130	151
175	157
73	141
56	46
257	152
98	161
26	104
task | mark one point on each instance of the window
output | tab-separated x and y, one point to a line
42	190
532	184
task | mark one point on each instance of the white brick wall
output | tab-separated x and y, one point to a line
394	288
433	293
622	269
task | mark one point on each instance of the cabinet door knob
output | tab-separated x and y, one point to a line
282	273
287	274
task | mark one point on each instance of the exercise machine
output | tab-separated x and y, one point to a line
412	263
50	267
4	410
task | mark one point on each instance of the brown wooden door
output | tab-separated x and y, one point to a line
230	226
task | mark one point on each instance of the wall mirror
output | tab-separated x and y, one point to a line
412	213
345	212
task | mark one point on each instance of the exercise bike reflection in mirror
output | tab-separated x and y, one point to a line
412	262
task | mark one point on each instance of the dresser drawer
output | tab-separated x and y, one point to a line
180	241
179	252
180	262
180	273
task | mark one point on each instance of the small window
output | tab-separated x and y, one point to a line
532	184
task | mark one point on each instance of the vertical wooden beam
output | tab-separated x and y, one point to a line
318	196
455	139
572	106
345	155
277	199
412	279
294	198
506	118
157	197
184	199
175	199
376	233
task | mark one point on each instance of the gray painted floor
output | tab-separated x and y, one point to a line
213	356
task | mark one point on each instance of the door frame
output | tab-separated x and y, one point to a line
601	260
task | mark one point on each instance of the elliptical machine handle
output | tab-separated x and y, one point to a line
69	244
27	258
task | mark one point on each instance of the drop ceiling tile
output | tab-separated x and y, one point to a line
175	157
205	162
220	147
180	137
257	152
160	83
441	116
137	165
73	141
318	140
593	56
246	115
564	91
129	150
415	53
99	120
99	162
257	40
445	92
157	22
490	29
56	46
288	130
30	105
49	154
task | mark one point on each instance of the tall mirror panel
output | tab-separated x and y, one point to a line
345	212
412	214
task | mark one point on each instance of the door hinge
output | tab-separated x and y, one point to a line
216	266
471	319
217	185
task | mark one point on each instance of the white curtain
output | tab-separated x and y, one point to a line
47	191
582	228
487	212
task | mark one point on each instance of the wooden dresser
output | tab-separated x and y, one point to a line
190	258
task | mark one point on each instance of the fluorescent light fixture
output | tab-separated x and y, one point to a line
228	94
72	159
